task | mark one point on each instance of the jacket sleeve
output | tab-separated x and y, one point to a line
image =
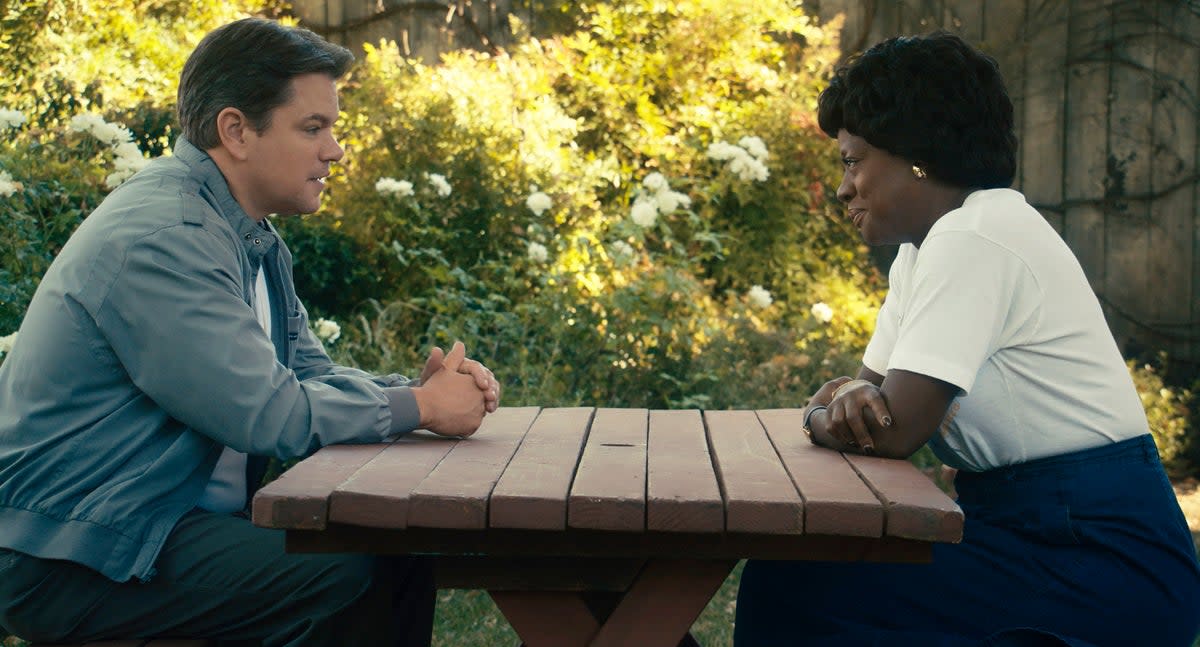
175	316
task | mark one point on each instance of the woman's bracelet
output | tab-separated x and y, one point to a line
808	419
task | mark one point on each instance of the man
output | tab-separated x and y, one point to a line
165	355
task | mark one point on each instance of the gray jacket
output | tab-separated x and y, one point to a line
140	357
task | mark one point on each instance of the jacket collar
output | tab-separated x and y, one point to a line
256	237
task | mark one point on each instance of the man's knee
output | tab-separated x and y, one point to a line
341	579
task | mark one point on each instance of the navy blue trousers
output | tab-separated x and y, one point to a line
1084	549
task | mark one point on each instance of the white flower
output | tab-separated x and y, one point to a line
644	213
8	185
621	250
655	182
759	296
754	146
439	182
6	343
744	161
11	118
668	201
85	122
538	253
116	178
327	330
822	312
128	160
96	126
721	151
392	186
538	202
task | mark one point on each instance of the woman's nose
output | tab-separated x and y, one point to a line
845	190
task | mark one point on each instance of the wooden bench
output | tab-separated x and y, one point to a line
136	642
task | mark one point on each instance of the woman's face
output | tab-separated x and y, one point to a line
882	194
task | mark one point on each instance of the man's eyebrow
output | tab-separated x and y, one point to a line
319	118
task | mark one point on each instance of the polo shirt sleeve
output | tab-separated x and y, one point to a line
956	311
887	321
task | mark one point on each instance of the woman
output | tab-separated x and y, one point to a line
992	348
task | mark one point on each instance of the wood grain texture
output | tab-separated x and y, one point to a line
759	494
915	508
1175	217
300	497
836	500
609	492
682	494
663	602
532	493
1041	139
1086	148
547	618
378	494
455	494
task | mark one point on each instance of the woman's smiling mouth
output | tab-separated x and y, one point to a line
856	216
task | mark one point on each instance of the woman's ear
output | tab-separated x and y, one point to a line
232	129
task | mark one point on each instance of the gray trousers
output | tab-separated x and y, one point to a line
221	577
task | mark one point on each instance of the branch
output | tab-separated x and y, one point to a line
1110	200
411	7
1155	329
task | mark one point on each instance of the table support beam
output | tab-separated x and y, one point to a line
657	610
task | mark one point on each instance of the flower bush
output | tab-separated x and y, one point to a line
636	212
597	214
1171	414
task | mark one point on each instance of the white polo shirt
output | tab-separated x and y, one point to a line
995	303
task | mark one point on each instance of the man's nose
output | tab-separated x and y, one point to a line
334	151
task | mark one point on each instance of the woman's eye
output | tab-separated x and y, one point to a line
848	162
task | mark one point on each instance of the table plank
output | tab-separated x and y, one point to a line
300	497
609	492
532	492
455	494
836	500
915	507
759	495
682	494
378	494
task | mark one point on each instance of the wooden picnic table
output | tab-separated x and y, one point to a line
550	510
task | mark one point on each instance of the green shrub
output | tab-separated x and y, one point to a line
544	254
1169	411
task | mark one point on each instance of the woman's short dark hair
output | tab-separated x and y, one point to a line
249	65
934	100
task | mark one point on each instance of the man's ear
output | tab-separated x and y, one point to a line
233	128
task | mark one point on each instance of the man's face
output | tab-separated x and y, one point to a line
289	160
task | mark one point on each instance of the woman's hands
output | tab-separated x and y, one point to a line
890	417
857	407
852	409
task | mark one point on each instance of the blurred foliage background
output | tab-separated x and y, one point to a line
636	211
